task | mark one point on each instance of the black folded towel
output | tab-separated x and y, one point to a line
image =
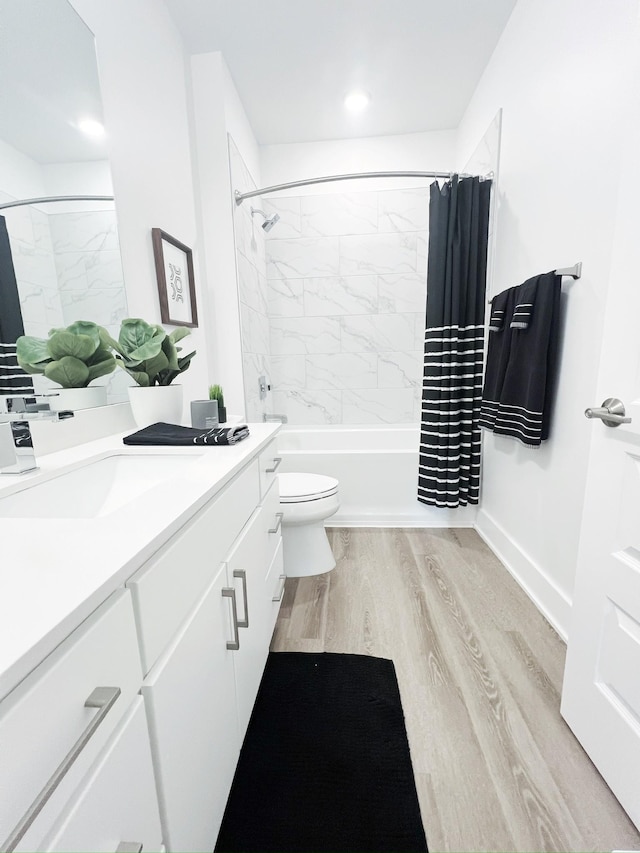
174	435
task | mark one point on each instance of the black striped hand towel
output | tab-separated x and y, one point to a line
172	435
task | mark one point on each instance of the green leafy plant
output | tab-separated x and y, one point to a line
216	393
149	353
72	357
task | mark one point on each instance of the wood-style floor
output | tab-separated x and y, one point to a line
480	674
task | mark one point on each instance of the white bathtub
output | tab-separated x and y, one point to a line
377	467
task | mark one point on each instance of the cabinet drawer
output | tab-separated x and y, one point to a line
269	462
45	717
166	589
117	802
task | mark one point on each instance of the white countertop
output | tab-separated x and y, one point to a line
55	571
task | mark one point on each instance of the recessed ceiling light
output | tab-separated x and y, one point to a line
91	127
356	102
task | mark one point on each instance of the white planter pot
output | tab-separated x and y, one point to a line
78	398
157	403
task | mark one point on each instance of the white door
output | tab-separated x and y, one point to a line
601	691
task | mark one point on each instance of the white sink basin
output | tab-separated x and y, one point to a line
96	489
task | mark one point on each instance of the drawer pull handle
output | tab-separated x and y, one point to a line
232	645
240	573
103	698
129	847
278	523
276	463
278	597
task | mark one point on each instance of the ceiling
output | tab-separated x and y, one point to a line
293	61
49	81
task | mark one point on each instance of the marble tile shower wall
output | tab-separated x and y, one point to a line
68	268
35	269
252	288
86	252
346	277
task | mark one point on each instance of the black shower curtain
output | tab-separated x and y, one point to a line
13	380
449	463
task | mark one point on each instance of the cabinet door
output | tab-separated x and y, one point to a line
248	568
117	802
190	700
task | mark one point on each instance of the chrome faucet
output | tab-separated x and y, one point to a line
282	418
16	446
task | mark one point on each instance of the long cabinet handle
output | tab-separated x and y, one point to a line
103	698
229	592
278	523
278	597
129	847
276	464
240	573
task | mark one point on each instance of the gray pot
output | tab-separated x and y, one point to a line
204	414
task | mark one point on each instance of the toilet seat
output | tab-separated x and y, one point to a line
302	488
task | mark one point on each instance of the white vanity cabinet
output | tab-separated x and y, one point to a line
202	678
177	647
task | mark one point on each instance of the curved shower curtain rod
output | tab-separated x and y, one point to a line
240	197
49	198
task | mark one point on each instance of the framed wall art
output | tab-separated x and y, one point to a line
176	285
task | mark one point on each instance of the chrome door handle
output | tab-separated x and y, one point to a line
240	573
278	597
129	847
232	645
275	529
276	464
611	413
103	698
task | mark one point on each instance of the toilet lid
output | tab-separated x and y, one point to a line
295	488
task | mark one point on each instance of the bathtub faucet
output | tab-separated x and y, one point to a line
282	418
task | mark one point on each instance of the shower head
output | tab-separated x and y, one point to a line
269	221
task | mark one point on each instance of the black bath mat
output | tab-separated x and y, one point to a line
325	764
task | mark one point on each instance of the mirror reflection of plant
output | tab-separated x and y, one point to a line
149	353
72	357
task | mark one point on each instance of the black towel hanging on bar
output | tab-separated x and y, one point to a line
522	359
450	440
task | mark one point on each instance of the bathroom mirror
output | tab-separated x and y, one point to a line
65	254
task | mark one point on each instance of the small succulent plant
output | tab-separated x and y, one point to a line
72	357
216	393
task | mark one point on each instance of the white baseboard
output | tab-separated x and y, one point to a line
551	601
392	521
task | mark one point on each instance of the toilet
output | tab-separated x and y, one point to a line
306	500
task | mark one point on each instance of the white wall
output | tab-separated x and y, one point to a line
20	176
143	78
217	113
558	74
411	151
